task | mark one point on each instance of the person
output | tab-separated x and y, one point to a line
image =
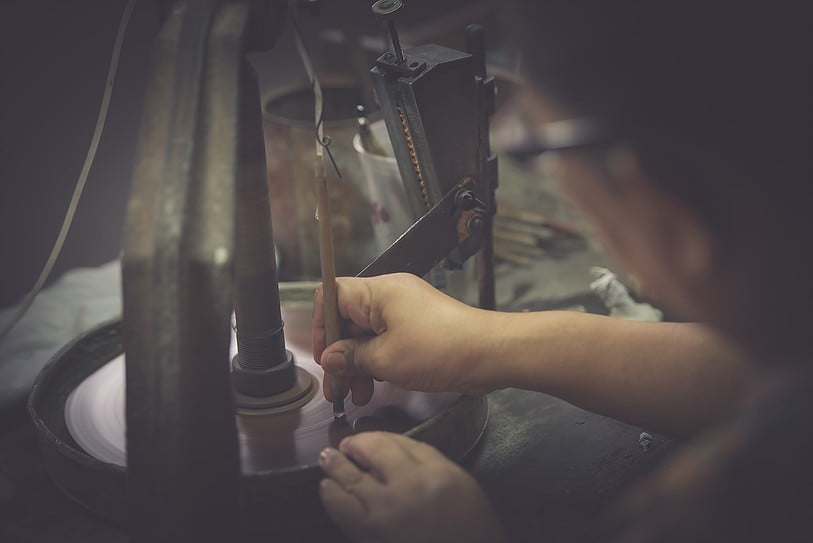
690	152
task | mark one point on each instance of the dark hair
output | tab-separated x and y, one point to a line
733	79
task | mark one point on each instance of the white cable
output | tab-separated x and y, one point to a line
83	175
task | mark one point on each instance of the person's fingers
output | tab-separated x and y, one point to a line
334	359
418	449
351	329
362	387
356	303
346	358
360	316
354	356
326	388
344	508
352	478
378	452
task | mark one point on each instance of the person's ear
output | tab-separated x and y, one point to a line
678	237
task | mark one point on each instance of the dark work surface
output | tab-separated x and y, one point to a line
32	508
549	468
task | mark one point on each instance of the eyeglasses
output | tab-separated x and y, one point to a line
565	135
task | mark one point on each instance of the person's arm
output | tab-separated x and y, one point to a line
671	378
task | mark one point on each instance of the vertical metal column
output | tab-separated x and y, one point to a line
183	455
487	164
263	367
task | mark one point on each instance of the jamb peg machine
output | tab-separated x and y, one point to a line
215	450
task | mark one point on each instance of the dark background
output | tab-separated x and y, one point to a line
55	57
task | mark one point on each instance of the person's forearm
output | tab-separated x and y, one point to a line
673	378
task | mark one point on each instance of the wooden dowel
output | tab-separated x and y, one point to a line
330	294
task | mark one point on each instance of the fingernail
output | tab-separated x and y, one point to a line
344	444
334	361
325	455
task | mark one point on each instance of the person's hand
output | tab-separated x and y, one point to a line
402	330
384	487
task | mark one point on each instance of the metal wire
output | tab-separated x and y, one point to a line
83	175
322	140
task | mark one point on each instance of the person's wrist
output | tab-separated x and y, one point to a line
481	370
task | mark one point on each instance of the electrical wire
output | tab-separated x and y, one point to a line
83	175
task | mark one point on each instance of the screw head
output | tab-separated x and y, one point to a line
387	7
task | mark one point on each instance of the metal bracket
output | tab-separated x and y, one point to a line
457	222
411	66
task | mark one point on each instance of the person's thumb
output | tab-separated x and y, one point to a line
352	356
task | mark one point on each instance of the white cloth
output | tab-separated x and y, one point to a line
78	301
617	300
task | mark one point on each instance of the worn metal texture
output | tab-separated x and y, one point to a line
436	103
432	122
177	263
